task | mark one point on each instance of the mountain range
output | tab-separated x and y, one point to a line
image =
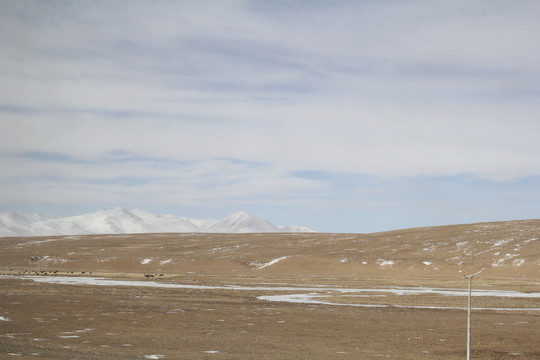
124	221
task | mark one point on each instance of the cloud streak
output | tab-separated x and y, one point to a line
234	103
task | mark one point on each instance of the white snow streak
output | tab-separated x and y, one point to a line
270	263
312	295
518	262
384	263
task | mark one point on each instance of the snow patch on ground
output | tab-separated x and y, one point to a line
146	261
431	248
270	263
518	262
502	242
500	262
314	299
460	244
312	295
384	263
2	318
530	240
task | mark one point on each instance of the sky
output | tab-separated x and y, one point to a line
344	116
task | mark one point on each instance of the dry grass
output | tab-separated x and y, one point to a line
113	322
505	249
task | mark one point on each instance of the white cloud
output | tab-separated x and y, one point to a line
366	88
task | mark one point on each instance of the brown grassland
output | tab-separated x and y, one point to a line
61	321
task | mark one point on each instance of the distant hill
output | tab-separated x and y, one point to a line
124	221
508	249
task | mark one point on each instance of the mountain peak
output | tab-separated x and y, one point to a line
240	213
239	216
121	220
243	222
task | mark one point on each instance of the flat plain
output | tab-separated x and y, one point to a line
398	294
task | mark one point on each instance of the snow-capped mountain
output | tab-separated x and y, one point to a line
13	223
123	221
242	222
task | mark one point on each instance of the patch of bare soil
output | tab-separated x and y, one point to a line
100	322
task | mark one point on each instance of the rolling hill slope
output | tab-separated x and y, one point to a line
499	249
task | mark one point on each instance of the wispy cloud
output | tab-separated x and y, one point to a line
270	103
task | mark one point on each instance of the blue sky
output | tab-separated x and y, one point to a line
345	116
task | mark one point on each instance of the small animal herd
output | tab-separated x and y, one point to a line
56	273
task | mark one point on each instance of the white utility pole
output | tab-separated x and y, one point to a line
469	319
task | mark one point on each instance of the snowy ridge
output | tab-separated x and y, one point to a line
123	221
11	222
242	222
